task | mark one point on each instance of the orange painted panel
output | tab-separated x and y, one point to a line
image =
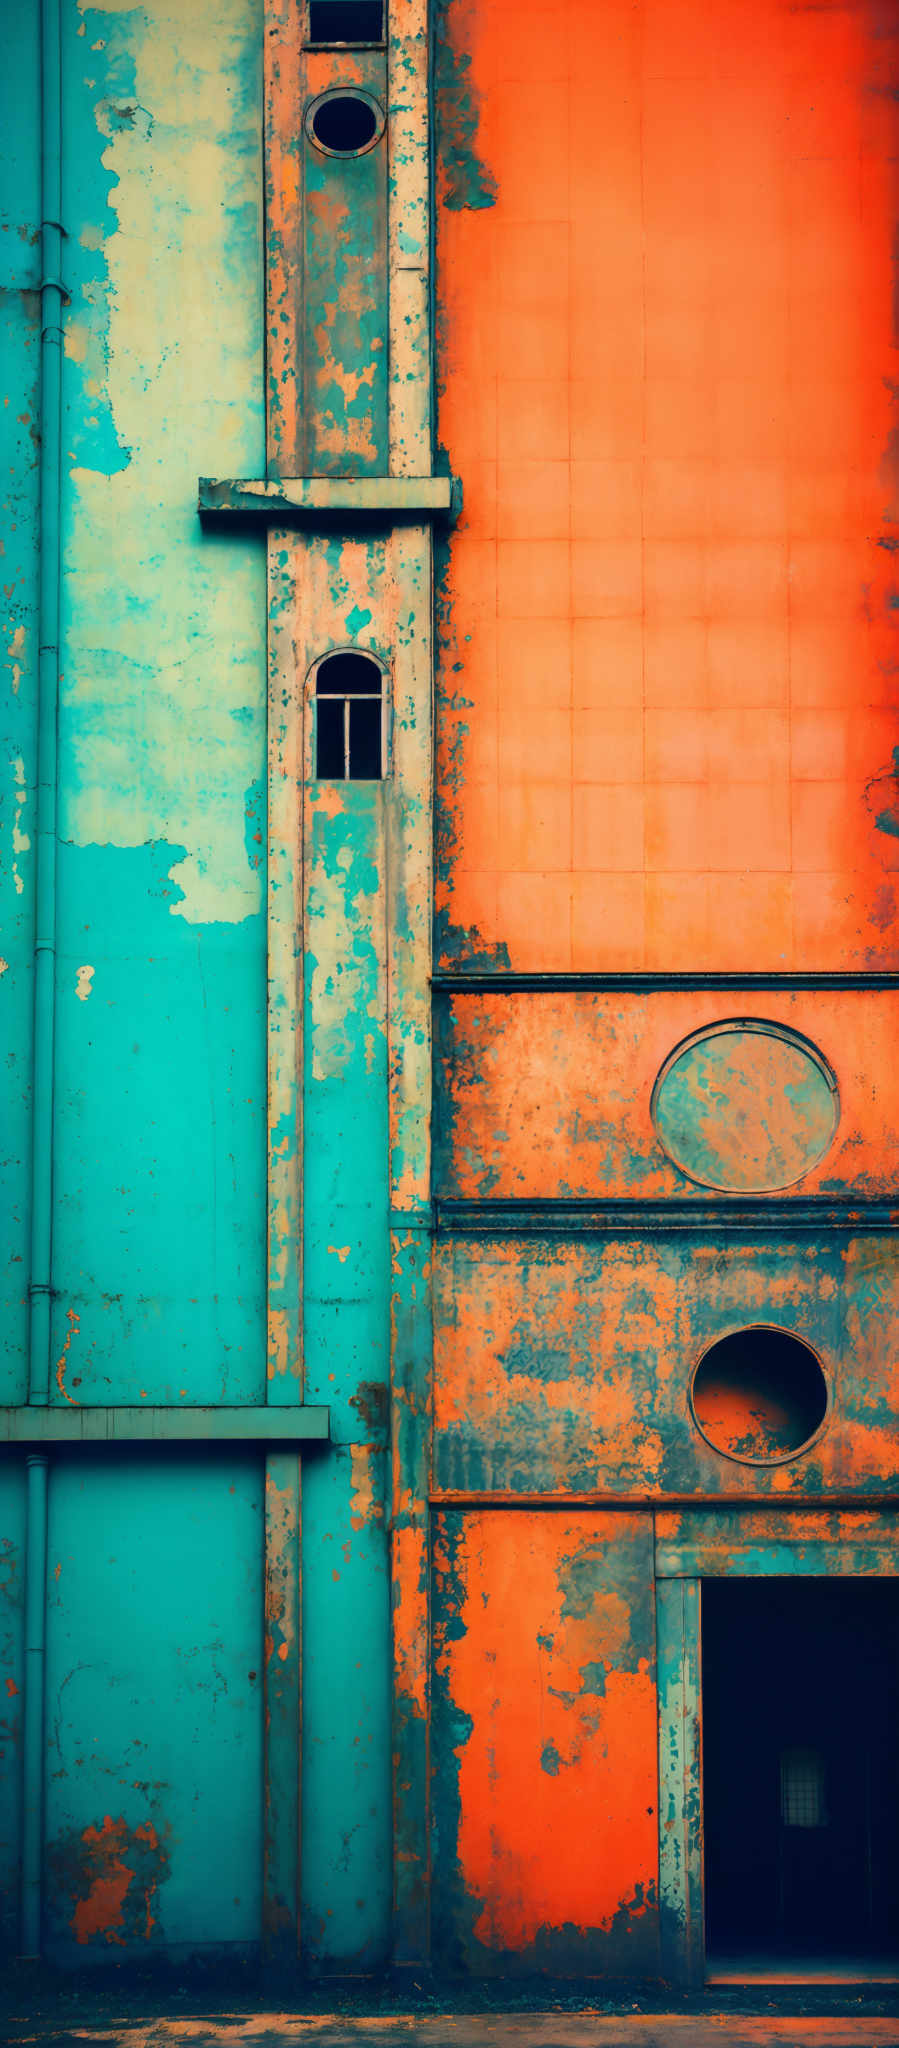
563	1365
549	1095
546	1782
667	694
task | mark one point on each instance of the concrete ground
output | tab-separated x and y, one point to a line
71	2023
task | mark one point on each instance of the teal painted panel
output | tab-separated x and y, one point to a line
346	1214
159	1258
19	412
12	1691
345	340
346	1854
346	1862
154	1705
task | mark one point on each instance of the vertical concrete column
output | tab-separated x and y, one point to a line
680	1783
285	1380
349	394
410	855
283	36
345	595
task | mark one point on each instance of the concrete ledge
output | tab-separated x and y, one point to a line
307	500
145	1424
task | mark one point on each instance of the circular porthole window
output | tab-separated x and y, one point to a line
759	1395
346	122
746	1106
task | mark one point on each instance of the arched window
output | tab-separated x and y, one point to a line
349	718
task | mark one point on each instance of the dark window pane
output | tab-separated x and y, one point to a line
344	122
365	742
346	21
353	674
329	740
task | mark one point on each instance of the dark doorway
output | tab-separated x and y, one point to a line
800	1692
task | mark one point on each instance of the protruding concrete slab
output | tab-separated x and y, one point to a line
308	499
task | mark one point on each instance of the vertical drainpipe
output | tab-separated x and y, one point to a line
52	296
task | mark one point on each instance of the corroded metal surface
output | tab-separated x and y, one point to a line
549	1095
566	1365
766	1543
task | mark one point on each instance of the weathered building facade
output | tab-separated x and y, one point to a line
452	987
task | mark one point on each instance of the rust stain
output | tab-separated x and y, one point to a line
280	1566
117	1873
74	1322
410	1563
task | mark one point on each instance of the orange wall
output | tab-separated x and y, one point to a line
667	690
546	1783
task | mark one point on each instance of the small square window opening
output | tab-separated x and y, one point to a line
346	21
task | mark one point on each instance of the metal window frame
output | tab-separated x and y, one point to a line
346	698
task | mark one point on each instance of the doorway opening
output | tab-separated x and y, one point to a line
800	1696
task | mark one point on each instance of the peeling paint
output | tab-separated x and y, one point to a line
20	840
148	701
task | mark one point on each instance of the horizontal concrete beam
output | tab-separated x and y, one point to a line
90	1425
694	1215
308	500
505	981
744	1543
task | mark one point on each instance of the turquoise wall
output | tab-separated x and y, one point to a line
160	1159
154	1656
154	1680
19	353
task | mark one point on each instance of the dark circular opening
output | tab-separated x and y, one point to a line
759	1395
348	675
344	123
